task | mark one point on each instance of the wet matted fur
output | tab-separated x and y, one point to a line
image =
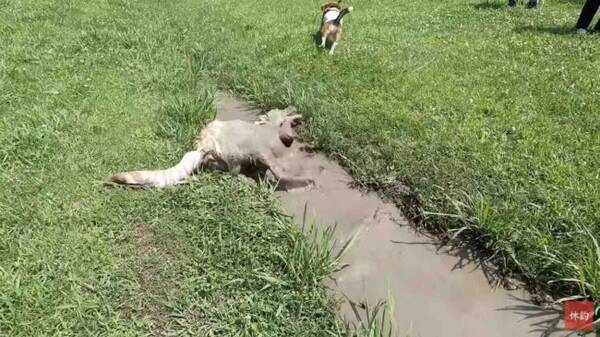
233	146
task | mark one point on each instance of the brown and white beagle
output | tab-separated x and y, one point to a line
331	24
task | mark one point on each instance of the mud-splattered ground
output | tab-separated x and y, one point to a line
435	292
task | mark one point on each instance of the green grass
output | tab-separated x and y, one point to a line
490	116
88	88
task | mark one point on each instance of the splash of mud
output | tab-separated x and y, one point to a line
434	293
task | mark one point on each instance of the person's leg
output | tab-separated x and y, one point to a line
532	3
587	14
512	3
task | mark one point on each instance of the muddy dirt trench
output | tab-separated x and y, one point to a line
435	292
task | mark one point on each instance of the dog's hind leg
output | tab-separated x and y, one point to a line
325	34
333	48
336	40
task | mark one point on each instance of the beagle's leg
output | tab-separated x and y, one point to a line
325	33
332	50
338	36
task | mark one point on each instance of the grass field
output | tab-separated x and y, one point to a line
490	116
88	88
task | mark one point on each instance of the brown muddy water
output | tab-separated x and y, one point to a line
435	292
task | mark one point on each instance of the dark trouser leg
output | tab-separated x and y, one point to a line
587	14
512	3
532	3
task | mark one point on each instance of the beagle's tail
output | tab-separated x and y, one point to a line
344	11
178	174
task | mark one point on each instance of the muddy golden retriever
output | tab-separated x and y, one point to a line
233	146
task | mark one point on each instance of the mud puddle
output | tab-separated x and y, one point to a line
435	293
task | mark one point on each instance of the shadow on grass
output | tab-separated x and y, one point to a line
317	40
556	30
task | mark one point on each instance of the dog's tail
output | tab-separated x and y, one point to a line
178	174
344	11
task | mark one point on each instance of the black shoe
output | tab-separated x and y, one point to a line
512	3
